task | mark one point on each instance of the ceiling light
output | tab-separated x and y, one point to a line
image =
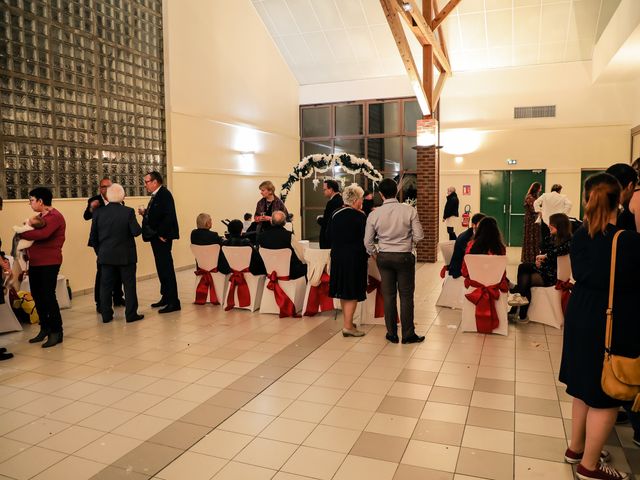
458	160
511	161
406	7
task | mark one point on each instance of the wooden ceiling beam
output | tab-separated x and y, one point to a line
442	14
438	89
395	24
426	31
441	37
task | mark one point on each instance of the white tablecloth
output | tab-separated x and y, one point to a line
317	259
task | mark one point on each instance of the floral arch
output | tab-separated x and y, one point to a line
321	163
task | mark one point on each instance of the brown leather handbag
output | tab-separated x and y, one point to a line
620	375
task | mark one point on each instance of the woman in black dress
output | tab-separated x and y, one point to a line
348	276
544	272
594	412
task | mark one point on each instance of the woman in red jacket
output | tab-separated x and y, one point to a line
45	258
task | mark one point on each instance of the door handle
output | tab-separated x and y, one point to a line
504	208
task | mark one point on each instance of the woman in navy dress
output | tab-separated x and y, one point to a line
348	276
594	412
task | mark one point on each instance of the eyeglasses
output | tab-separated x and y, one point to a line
147	181
104	186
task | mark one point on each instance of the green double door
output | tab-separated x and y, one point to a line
502	195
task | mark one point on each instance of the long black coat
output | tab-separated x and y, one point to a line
332	205
451	207
113	231
160	219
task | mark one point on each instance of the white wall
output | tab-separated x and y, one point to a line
228	91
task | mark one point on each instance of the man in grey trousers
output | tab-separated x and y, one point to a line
397	229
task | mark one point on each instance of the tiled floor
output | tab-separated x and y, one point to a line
204	394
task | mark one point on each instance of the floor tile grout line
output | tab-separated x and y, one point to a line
321	326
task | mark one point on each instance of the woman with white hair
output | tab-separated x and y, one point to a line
348	280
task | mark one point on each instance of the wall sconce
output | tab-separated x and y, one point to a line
247	160
511	161
426	130
458	160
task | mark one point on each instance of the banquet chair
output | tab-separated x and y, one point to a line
8	320
486	275
210	283
452	293
244	290
316	297
546	304
280	294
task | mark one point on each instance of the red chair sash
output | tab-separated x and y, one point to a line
287	308
484	298
444	270
319	299
206	286
238	281
565	288
374	284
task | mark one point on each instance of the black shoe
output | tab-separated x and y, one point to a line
98	309
5	355
392	338
160	303
169	309
135	318
2	349
53	340
40	337
107	320
413	339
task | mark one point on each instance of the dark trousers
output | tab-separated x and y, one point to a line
528	276
42	281
116	293
398	272
111	275
166	272
634	418
452	233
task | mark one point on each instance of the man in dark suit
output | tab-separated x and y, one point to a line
160	228
93	204
203	234
279	237
455	265
113	231
331	190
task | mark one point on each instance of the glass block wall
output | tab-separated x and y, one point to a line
81	95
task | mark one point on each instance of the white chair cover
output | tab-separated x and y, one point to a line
207	259
452	293
447	250
239	258
318	261
487	270
546	302
8	320
279	261
62	294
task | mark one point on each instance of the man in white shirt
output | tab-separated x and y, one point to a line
398	230
548	204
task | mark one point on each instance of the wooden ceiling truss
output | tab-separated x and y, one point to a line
426	25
